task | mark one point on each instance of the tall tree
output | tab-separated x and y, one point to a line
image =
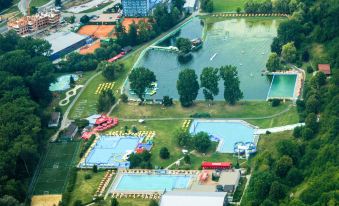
140	79
209	79
289	52
184	45
273	62
188	87
232	92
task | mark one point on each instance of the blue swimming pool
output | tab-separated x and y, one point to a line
144	182
62	83
229	132
109	151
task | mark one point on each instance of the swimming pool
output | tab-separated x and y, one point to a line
145	182
110	150
282	86
229	132
62	83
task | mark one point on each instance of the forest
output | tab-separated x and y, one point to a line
308	163
25	75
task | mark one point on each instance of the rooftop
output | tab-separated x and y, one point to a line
325	68
229	177
190	3
193	198
62	40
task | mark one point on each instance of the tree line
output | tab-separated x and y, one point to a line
309	159
188	85
25	76
269	6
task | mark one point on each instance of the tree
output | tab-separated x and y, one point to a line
290	31
289	52
294	177
7	200
114	202
124	98
33	10
164	153
311	122
105	101
183	138
188	87
207	5
84	19
284	164
201	142
71	81
133	34
238	10
312	104
209	79
232	92
95	168
57	3
307	133
187	159
276	45
184	45
78	203
273	62
140	79
277	191
153	203
297	131
319	79
110	70
167	101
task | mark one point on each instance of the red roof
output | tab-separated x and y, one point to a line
216	164
325	68
116	57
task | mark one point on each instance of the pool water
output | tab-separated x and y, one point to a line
229	132
282	86
62	83
109	150
135	182
242	42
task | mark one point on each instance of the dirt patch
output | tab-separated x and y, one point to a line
127	21
90	49
98	31
46	200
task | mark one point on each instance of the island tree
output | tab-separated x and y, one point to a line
141	79
232	92
209	79
188	87
184	45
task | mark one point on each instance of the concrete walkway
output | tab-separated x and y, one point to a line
279	129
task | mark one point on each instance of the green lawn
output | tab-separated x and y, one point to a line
244	109
97	8
229	5
85	189
86	104
38	3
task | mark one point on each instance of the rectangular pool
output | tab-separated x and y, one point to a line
229	132
282	86
145	182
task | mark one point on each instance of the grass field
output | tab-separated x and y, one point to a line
55	167
230	5
38	3
86	104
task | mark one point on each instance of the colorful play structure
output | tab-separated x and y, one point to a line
104	123
244	149
104	86
216	165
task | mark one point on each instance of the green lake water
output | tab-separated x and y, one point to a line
243	42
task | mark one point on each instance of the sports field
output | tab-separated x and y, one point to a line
98	31
90	49
53	173
127	21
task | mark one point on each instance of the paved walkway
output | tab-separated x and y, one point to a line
279	129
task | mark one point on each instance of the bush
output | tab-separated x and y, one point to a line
187	159
297	132
307	133
275	102
201	142
95	168
88	176
164	153
124	98
134	129
309	69
200	115
78	203
114	202
167	101
153	203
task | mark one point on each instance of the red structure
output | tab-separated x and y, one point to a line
105	122
325	68
216	165
86	135
116	57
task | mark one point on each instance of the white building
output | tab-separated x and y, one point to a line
190	5
194	198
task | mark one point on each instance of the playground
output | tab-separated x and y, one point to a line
111	151
98	31
55	167
227	132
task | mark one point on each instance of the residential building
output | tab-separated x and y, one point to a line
70	131
138	8
34	23
190	6
183	198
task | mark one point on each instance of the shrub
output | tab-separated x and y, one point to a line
153	203
187	159
134	129
167	101
95	168
275	102
124	98
78	203
164	153
309	69
200	115
297	132
88	176
201	142
114	202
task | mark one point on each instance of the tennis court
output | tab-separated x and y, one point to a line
53	173
98	31
127	21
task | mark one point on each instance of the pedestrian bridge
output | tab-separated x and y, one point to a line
169	48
